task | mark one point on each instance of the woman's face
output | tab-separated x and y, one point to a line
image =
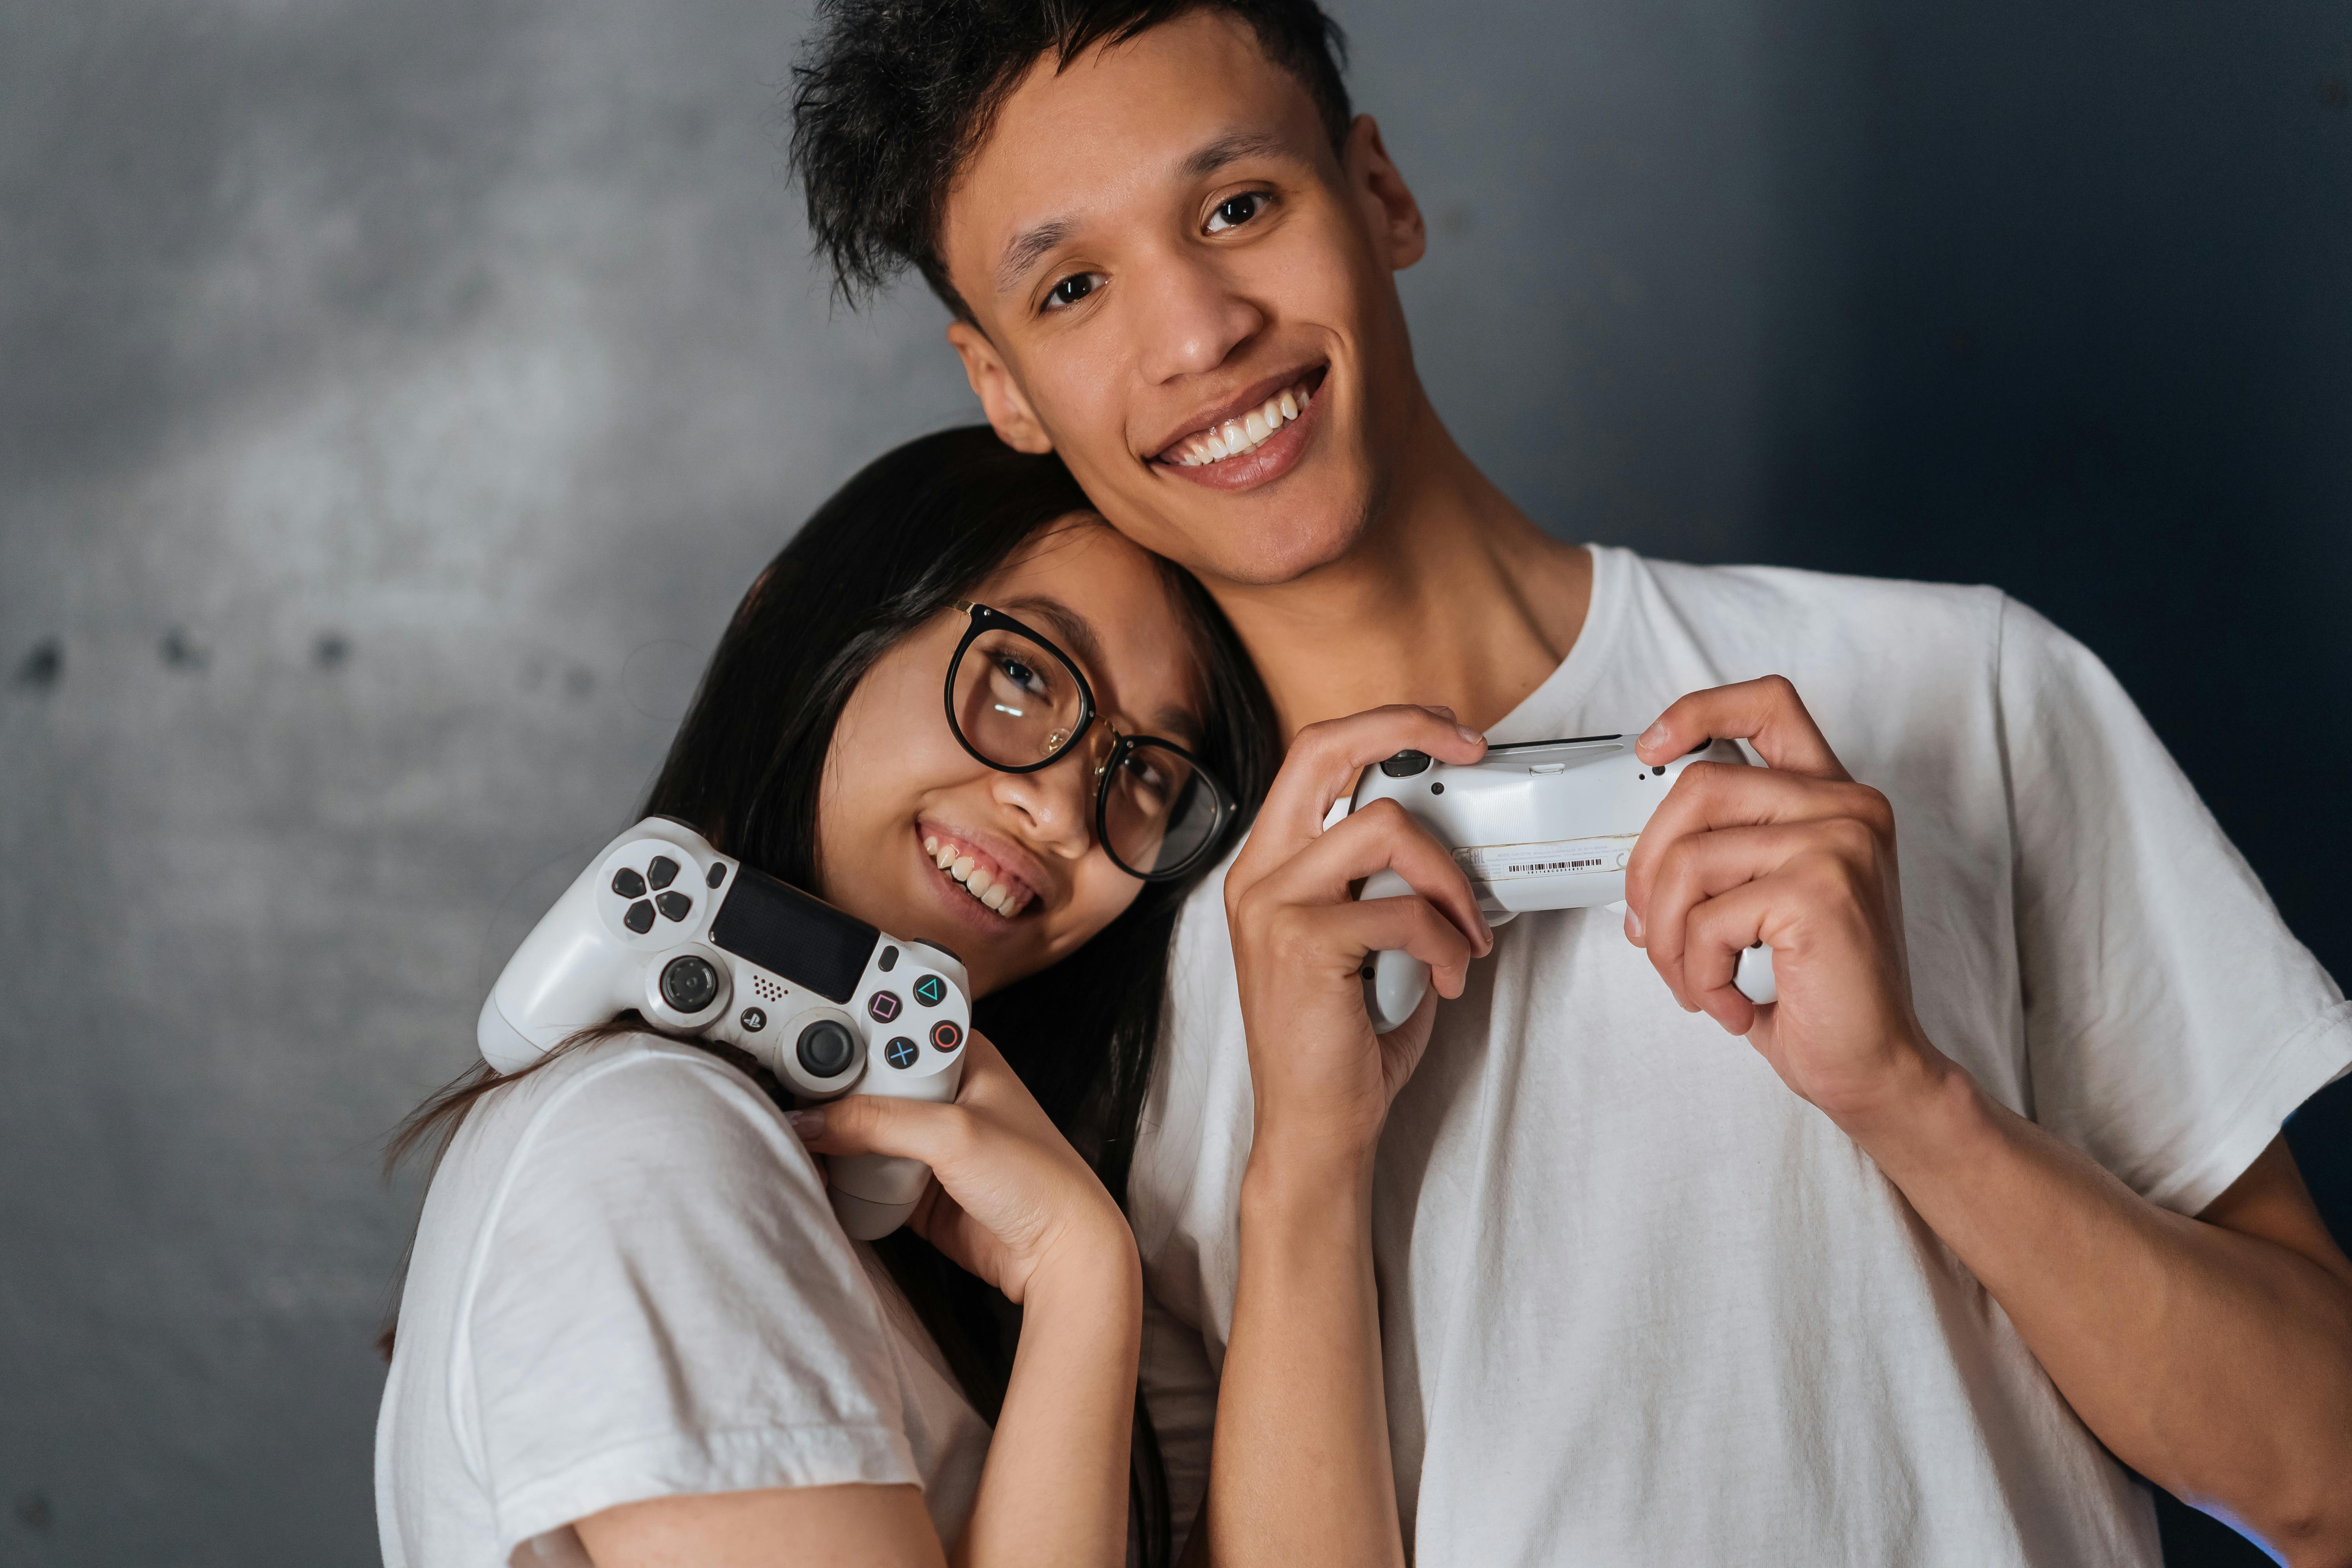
898	790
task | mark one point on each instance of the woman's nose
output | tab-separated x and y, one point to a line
1056	801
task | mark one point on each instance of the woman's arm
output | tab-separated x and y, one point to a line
1300	1471
1011	1201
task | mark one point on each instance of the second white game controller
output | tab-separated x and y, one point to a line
1547	824
700	944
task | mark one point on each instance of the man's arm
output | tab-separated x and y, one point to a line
2214	1354
1300	1471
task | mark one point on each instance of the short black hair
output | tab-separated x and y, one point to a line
891	96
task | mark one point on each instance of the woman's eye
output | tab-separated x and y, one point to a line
1020	675
1069	291
1235	211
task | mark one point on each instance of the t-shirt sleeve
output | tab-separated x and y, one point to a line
663	1304
2172	1021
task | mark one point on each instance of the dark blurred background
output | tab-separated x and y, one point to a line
394	401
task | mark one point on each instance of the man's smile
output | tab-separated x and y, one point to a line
1250	438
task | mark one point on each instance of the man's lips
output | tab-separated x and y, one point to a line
1223	430
1272	456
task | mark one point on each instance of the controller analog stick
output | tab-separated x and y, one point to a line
689	984
826	1049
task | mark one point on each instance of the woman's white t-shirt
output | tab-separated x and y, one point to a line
628	1284
1641	1304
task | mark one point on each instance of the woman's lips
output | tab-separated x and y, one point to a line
979	874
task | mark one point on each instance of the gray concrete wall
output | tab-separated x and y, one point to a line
395	399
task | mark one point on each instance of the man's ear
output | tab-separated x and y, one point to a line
1390	211
1016	423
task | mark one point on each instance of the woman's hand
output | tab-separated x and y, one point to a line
1009	1198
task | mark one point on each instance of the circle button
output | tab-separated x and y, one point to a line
883	1006
931	990
689	984
945	1036
900	1052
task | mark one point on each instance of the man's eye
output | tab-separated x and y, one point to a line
1235	211
1069	291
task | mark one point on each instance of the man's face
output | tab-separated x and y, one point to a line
1156	245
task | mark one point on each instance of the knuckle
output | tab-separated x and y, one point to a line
1780	688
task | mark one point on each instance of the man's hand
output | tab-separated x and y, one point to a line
1796	854
1301	940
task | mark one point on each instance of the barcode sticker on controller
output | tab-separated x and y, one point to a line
1559	857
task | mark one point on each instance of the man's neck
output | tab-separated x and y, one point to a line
1453	597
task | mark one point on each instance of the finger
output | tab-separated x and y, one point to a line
1383	836
938	1135
1712	796
1339	939
1716	933
1322	765
1702	868
1766	713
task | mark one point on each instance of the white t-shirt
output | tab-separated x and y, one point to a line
1640	1303
627	1283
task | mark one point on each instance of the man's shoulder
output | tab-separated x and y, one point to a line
1790	604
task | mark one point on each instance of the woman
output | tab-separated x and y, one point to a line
631	1331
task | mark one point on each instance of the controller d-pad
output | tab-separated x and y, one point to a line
640	918
900	1052
628	884
883	1006
931	990
662	872
945	1036
674	906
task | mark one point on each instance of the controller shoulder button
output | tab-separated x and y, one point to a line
640	918
1404	765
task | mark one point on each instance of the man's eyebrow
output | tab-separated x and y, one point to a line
1232	148
1028	247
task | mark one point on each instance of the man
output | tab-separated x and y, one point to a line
1996	1199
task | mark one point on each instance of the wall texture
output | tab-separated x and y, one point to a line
395	399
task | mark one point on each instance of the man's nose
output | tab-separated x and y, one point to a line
1192	316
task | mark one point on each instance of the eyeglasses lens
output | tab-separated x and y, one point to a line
1159	810
1016	703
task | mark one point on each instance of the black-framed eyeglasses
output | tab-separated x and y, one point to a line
1018	703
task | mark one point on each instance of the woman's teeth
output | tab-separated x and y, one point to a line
1246	434
1006	897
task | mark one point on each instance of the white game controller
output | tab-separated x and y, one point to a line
700	944
1546	825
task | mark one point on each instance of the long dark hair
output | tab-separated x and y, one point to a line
912	532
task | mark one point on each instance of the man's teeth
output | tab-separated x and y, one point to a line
1235	436
1004	898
